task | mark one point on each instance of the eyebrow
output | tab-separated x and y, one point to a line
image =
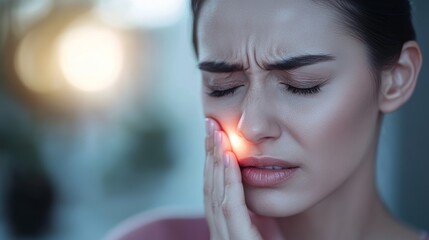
220	67
284	64
298	61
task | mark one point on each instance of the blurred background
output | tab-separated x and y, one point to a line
100	119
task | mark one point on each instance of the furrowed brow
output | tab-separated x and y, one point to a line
298	61
219	67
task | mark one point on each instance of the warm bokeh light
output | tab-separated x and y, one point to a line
238	143
144	13
91	55
35	64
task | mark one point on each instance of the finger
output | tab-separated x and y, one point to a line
221	146
234	207
213	129
219	169
215	124
208	183
208	164
210	126
212	200
218	186
208	172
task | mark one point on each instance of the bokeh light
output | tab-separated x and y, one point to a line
71	49
91	55
35	63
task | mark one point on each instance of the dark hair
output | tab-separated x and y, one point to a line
383	25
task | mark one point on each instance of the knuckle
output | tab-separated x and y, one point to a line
209	143
226	210
209	151
214	206
216	161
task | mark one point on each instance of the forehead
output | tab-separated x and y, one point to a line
230	29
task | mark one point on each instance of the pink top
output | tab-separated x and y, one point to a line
160	225
172	227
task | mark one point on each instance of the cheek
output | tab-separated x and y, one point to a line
224	111
346	128
227	114
342	127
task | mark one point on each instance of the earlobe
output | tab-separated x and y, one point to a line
399	81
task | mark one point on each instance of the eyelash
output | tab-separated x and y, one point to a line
222	93
294	90
303	91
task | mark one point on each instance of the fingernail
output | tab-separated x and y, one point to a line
218	137
226	159
209	126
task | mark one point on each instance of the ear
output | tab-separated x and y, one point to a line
398	82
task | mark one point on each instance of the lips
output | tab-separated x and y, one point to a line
266	172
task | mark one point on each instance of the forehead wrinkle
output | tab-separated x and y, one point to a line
259	56
250	52
274	53
268	40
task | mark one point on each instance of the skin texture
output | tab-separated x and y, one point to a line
330	133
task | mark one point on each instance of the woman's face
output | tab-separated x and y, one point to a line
294	86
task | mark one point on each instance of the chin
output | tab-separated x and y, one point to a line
274	203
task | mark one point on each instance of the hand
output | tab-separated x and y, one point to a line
226	211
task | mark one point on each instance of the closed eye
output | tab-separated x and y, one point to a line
302	91
222	93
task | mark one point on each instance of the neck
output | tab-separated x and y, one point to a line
354	209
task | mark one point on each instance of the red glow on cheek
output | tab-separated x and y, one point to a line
238	144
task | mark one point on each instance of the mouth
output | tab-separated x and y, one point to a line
271	167
266	163
266	172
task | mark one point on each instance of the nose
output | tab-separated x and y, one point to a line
257	122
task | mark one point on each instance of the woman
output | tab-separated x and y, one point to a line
300	87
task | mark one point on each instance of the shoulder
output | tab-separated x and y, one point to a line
162	224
